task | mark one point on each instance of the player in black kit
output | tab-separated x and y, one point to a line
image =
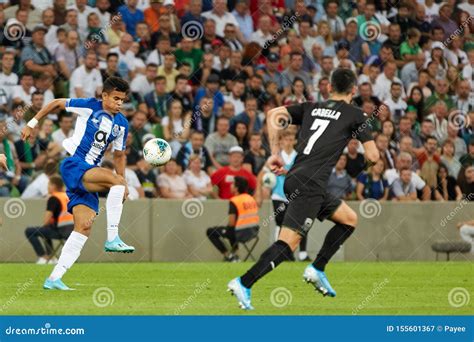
325	129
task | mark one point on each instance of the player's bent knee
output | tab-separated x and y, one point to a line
352	218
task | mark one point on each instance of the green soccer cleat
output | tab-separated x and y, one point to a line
118	246
55	285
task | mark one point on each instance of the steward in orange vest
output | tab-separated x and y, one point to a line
243	221
58	223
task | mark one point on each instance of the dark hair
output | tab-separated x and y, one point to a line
51	167
64	115
159	78
57	181
431	137
37	92
343	80
180	77
115	83
112	54
241	184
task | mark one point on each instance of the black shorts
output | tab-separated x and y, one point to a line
279	208
307	202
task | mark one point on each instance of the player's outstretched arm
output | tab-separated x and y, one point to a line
57	104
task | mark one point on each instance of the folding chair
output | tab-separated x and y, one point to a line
57	249
248	238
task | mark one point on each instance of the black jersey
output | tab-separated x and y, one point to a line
325	129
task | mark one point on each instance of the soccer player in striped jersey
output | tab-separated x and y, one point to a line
99	124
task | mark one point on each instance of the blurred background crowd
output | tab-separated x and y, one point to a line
204	73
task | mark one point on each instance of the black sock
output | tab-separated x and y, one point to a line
303	243
334	239
270	259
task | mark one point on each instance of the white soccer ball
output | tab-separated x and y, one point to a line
269	180
157	152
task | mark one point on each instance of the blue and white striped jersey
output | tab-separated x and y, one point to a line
95	129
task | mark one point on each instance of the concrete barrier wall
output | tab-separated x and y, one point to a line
173	230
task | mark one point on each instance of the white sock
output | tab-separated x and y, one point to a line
114	206
302	255
70	253
277	232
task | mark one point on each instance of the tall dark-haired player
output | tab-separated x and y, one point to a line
325	129
99	124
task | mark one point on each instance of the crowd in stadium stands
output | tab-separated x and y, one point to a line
204	73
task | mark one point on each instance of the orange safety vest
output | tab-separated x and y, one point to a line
64	218
247	211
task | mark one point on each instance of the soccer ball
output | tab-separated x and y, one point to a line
157	152
269	180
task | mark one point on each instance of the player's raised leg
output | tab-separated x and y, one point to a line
345	220
83	219
100	179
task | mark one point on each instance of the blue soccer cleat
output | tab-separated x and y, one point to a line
242	293
55	285
319	281
118	246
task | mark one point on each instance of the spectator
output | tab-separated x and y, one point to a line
416	101
203	118
249	117
429	161
241	133
335	22
404	160
152	14
131	16
187	53
384	81
86	81
157	101
468	158
57	224
409	73
65	129
126	61
402	188
171	183
295	70
385	154
340	183
38	188
255	157
68	55
439	119
194	147
235	97
409	49
446	188
220	142
243	18
459	145
223	178
395	102
111	68
263	33
166	31
221	16
23	91
406	145
147	178
176	126
448	158
440	94
467	184
211	89
372	184
198	182
182	92
144	84
193	13
8	80
388	129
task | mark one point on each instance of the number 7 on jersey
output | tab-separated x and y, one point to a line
318	126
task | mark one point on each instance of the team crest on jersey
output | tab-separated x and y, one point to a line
115	130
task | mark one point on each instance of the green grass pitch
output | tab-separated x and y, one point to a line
388	288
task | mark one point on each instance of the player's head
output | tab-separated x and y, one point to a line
343	82
55	184
114	94
240	186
